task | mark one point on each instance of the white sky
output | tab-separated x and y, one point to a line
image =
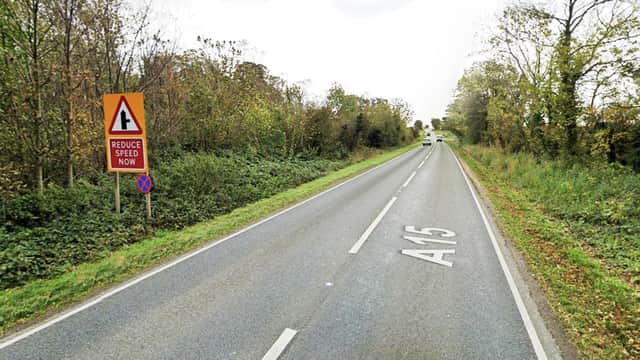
410	49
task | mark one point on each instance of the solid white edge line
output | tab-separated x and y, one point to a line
356	247
278	347
528	324
406	183
30	331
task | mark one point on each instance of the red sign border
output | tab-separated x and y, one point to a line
115	115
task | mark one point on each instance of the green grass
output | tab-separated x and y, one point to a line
27	303
577	231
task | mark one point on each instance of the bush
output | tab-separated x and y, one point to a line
600	202
43	235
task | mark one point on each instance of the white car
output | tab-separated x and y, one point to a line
439	138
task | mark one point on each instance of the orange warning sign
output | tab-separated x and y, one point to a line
125	133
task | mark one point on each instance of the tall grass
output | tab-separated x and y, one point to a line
600	203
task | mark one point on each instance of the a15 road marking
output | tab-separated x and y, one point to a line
424	241
429	231
435	256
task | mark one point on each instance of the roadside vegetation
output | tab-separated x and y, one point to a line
46	234
549	120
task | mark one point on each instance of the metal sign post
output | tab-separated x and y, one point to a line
117	193
147	197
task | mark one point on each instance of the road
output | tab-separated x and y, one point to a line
398	263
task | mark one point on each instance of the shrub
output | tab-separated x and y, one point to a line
43	235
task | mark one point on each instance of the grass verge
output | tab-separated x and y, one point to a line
594	296
23	305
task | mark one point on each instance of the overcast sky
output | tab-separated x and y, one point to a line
410	49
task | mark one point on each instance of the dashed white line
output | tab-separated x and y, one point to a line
409	179
426	157
528	324
278	347
429	154
356	247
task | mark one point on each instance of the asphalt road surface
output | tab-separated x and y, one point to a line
398	263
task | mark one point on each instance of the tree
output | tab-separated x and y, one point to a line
66	14
417	128
580	57
29	32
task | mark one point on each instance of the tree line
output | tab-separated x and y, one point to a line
560	79
58	57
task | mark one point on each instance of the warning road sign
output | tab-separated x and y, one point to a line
125	133
124	121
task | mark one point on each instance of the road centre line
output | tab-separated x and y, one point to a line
37	328
426	157
278	347
356	247
409	179
528	324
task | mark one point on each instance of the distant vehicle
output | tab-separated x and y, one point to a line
426	142
428	134
439	138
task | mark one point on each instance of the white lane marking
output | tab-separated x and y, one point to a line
30	331
356	247
429	154
409	179
528	324
426	157
429	231
424	241
278	347
436	255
